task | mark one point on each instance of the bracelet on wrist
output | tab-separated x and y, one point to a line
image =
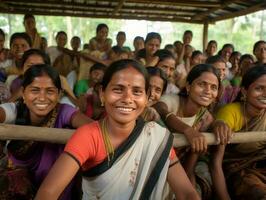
168	115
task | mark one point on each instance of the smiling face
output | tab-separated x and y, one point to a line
125	97
32	60
30	24
245	65
211	48
61	40
102	34
18	47
187	38
96	76
138	44
203	90
155	89
152	46
41	97
121	38
226	53
221	67
260	52
168	66
256	93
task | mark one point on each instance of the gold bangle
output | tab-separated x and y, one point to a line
168	115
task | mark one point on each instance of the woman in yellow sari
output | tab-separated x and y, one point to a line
244	164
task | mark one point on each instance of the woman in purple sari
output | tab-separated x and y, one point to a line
29	161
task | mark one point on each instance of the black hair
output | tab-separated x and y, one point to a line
42	54
196	53
214	59
44	38
156	71
118	50
98	66
196	72
170	46
212	41
246	56
121	33
59	33
153	35
76	37
121	65
27	16
235	53
141	53
188	32
257	44
138	38
164	54
252	75
2	33
101	26
228	45
21	35
177	41
40	70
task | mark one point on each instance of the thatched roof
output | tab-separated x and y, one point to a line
191	11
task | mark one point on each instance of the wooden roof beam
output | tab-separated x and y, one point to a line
202	15
189	3
118	7
93	15
100	9
249	10
85	6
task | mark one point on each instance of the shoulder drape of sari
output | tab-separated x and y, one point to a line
36	42
38	157
244	164
240	156
139	168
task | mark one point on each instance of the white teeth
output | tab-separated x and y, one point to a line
125	109
206	98
41	106
262	100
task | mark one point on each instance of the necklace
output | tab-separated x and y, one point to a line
107	142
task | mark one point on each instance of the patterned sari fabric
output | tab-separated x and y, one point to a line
244	165
139	165
4	93
200	121
28	162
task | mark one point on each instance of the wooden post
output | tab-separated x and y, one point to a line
205	35
55	135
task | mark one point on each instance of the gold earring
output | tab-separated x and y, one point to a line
102	103
243	97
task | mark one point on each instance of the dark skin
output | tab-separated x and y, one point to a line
195	138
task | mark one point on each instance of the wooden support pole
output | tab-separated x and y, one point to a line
54	135
205	36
